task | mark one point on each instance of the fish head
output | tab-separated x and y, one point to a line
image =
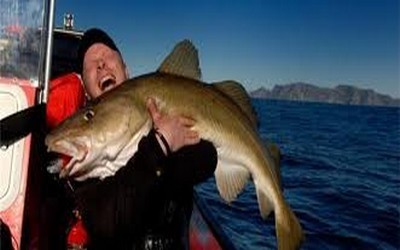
93	137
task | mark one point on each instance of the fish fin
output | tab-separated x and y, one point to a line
236	92
230	181
288	229
182	61
275	153
264	203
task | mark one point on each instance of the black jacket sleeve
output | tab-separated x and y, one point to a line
116	208
192	164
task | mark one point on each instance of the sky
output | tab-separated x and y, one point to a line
259	43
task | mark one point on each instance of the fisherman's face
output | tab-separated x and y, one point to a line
103	69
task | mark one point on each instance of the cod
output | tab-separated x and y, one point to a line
102	136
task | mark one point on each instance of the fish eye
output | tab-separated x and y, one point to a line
89	115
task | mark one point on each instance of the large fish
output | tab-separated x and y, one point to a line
101	137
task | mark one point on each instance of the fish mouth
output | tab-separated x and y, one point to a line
107	82
70	154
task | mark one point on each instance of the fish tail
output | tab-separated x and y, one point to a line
288	229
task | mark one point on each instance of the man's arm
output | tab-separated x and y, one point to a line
192	164
192	160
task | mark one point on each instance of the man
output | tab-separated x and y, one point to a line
100	62
147	203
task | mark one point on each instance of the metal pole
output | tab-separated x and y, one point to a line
48	53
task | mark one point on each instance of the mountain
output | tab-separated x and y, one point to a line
341	94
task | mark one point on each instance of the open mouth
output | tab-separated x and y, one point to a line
107	83
68	154
58	162
69	165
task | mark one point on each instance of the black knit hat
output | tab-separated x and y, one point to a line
91	37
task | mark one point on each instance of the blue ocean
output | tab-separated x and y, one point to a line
340	169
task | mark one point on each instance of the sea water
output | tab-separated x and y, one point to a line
340	170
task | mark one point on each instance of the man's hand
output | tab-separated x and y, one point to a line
177	130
